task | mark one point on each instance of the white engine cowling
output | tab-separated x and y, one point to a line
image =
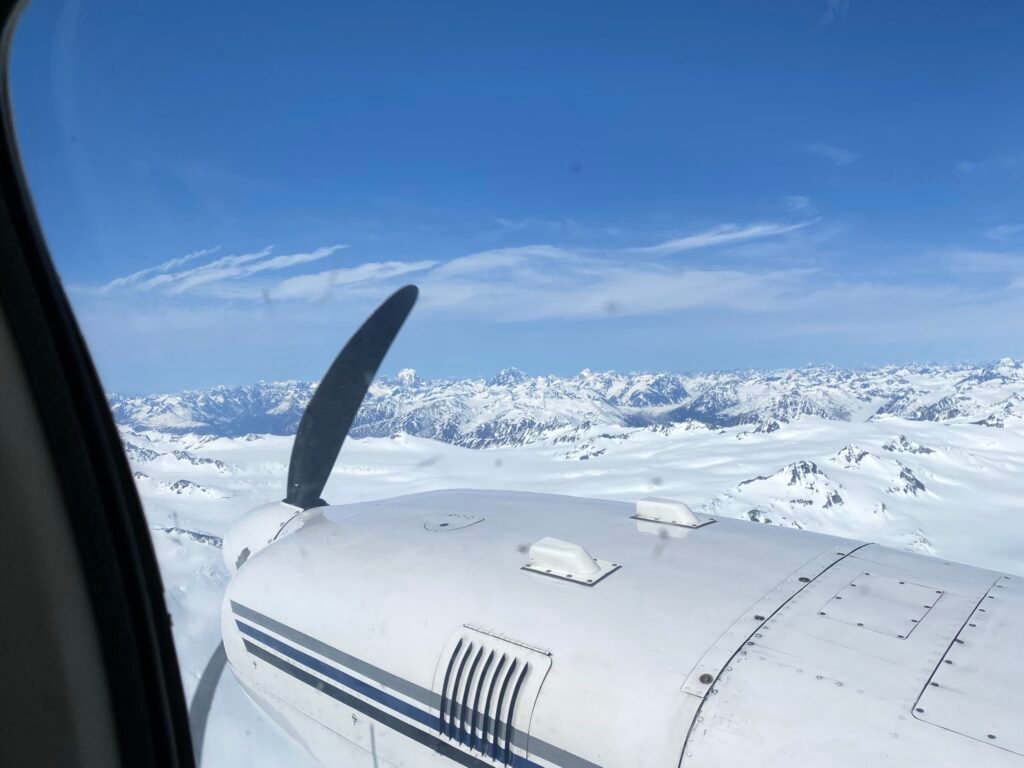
255	530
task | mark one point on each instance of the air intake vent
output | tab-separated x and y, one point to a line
488	687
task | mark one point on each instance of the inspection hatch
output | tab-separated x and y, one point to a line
881	604
977	689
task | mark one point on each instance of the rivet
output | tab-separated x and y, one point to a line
803	579
706	679
919	710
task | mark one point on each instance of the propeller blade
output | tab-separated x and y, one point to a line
334	405
199	709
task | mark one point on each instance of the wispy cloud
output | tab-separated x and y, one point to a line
837	155
526	282
720	235
317	287
1007	162
1004	232
544	282
973	260
210	277
135	277
799	204
835	11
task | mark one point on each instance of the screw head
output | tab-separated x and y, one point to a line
707	679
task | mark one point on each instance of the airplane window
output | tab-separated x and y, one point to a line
558	385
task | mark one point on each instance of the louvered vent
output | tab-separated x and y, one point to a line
487	693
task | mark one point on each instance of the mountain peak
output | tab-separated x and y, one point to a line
507	377
407	377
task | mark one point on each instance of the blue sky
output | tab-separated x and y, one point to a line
227	188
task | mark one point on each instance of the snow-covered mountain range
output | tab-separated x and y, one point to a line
515	409
926	458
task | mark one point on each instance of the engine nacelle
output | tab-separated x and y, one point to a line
255	530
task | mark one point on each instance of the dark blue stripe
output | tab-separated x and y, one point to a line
440	745
352	683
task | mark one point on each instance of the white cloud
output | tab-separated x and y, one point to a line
837	155
542	281
527	282
211	277
499	258
980	261
720	235
242	267
799	204
317	287
135	277
835	10
1004	231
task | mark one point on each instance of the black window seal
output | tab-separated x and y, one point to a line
108	525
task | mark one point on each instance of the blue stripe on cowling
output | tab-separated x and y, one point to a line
353	683
363	688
